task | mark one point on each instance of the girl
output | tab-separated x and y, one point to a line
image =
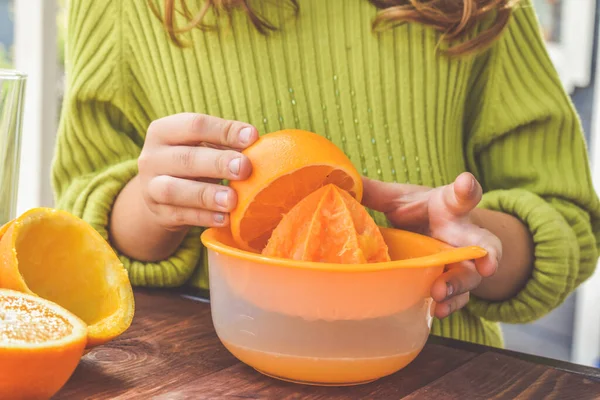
451	108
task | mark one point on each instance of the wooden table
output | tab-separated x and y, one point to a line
172	352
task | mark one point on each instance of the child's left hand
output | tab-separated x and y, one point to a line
447	213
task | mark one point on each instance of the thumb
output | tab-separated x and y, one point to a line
387	197
462	196
404	205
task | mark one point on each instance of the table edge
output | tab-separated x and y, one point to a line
586	371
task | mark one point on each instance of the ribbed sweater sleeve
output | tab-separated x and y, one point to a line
526	146
97	149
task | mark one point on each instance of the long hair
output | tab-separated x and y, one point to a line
455	19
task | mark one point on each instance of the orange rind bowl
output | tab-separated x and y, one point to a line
60	257
327	324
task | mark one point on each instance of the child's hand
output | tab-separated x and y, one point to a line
446	213
183	159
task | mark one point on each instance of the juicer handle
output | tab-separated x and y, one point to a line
458	254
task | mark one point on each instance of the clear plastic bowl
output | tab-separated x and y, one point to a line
327	324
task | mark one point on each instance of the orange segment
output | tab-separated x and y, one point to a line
40	345
287	166
61	258
328	226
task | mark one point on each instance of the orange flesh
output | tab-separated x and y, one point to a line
41	344
23	321
267	208
328	225
320	369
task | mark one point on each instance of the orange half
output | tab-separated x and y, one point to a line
59	257
40	346
287	166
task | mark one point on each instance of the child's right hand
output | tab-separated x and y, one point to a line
183	159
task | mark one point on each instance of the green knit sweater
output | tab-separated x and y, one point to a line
399	109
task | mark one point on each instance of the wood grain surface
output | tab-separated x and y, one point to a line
172	352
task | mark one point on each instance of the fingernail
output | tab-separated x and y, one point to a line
245	134
449	289
219	218
472	184
234	166
221	198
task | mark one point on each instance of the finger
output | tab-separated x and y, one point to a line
176	217
404	204
488	265
462	196
198	162
476	236
467	234
442	310
191	194
460	278
195	129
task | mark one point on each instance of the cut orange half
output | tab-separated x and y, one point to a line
59	257
287	166
40	346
